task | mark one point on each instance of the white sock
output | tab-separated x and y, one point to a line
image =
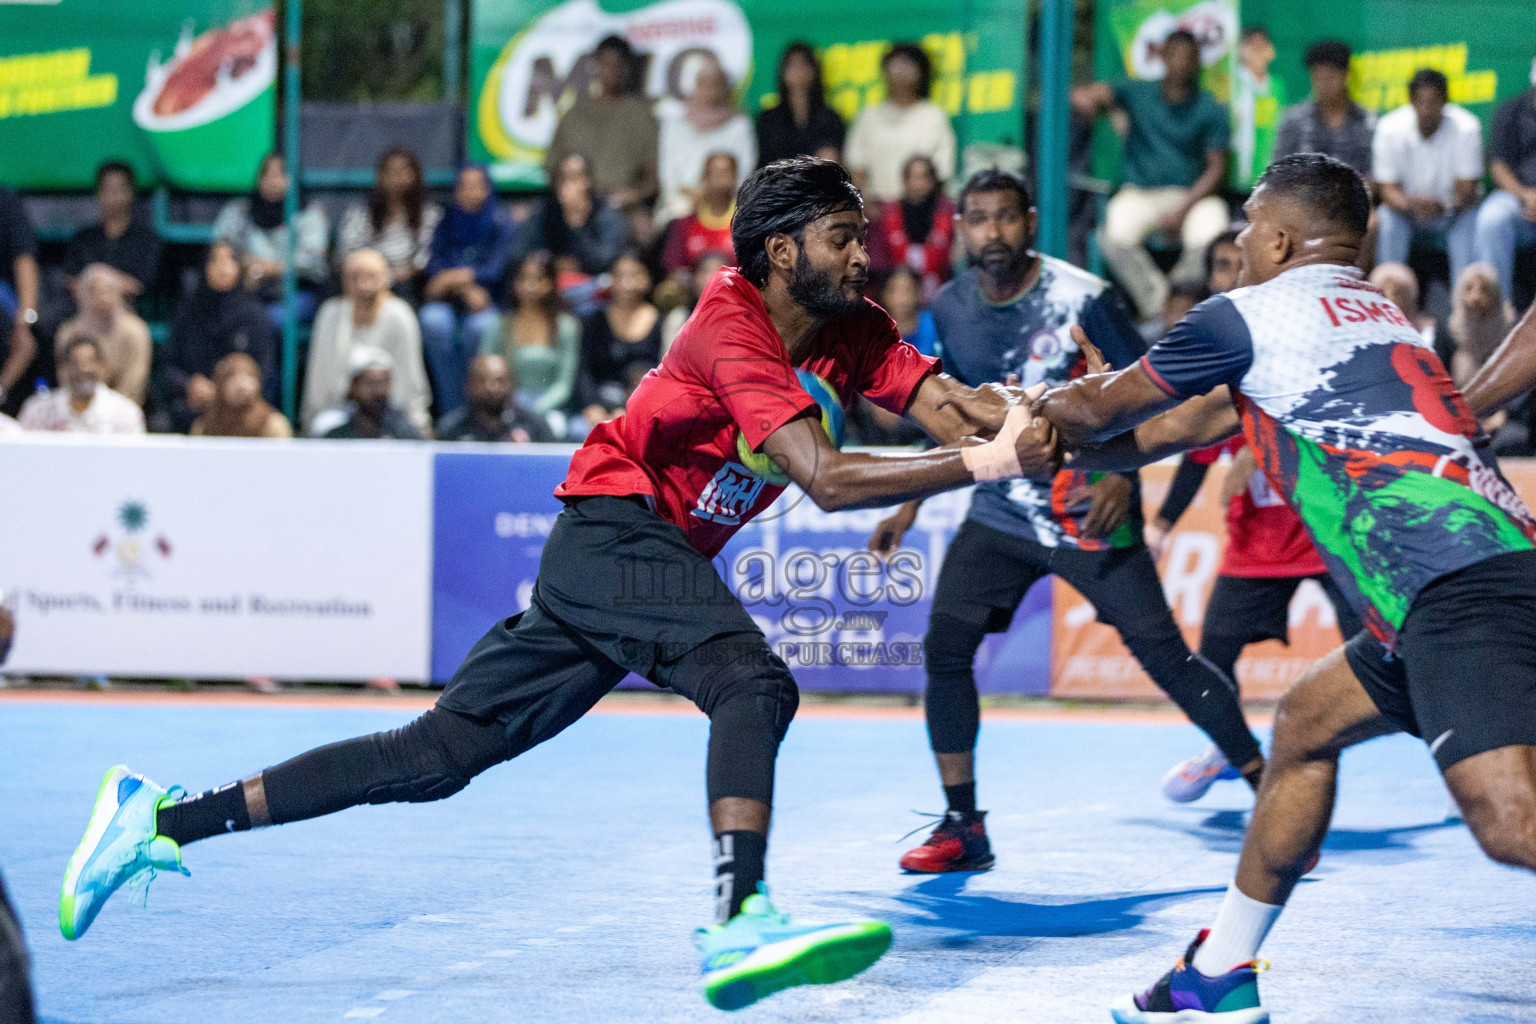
1238	933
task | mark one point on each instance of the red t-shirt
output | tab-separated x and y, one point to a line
691	238
728	370
1264	536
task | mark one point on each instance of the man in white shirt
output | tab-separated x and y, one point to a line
82	403
1428	161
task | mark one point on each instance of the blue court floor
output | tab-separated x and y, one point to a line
564	886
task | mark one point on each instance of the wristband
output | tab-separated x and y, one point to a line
998	459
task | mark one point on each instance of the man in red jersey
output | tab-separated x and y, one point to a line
626	583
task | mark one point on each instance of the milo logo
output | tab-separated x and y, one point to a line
545	67
1211	22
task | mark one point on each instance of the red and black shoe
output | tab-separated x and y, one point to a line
959	843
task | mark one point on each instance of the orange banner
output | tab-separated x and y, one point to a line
1089	661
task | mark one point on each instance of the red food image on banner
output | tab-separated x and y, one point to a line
226	53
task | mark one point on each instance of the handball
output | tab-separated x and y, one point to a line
832	421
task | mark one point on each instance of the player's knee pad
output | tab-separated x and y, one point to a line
949	648
435	756
752	682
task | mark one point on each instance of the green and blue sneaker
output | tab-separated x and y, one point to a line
120	846
759	952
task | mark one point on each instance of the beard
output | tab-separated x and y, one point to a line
1002	262
813	290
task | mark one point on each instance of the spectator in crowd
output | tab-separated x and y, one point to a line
366	314
369	414
1330	122
539	338
1257	97
1399	284
679	314
18	291
120	335
82	403
707	229
1223	262
255	225
397	220
906	124
1507	218
118	239
1175	156
492	412
237	409
619	344
469	258
918	231
801	124
1480	319
578	228
220	317
614	130
1428	163
706	122
902	298
1182	297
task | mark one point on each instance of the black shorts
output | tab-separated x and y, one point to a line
619	590
1254	608
1463	677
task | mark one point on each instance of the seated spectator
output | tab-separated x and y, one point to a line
905	124
706	122
492	412
396	221
613	129
237	409
18	293
1330	122
1223	262
1257	97
618	344
539	338
1507	218
220	317
1175	157
121	337
82	403
578	228
469	257
801	124
679	314
1480	319
1398	283
707	229
1428	163
1182	298
918	231
366	314
369	414
255	225
902	297
118	239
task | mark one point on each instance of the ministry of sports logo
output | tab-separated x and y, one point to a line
129	540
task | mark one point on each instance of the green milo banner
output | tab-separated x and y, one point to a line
184	90
531	58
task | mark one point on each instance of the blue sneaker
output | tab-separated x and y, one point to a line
1185	996
1190	780
120	846
759	952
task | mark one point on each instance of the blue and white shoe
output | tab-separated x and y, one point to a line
759	952
120	846
1190	780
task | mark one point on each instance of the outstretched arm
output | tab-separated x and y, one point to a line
1197	423
949	410
1096	407
1509	373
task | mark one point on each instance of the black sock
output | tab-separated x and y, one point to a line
207	814
962	797
1253	777
738	868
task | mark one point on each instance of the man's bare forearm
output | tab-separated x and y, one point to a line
1509	373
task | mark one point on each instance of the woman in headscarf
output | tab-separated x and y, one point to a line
220	317
802	124
254	224
1480	318
469	258
397	220
706	122
918	231
237	409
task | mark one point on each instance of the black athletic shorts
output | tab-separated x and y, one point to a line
1464	674
1254	608
619	590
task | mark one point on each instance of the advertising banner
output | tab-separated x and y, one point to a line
217	559
840	618
183	90
531	58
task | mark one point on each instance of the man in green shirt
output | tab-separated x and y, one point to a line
1257	97
1175	157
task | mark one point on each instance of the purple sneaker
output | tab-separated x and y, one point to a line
1185	996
